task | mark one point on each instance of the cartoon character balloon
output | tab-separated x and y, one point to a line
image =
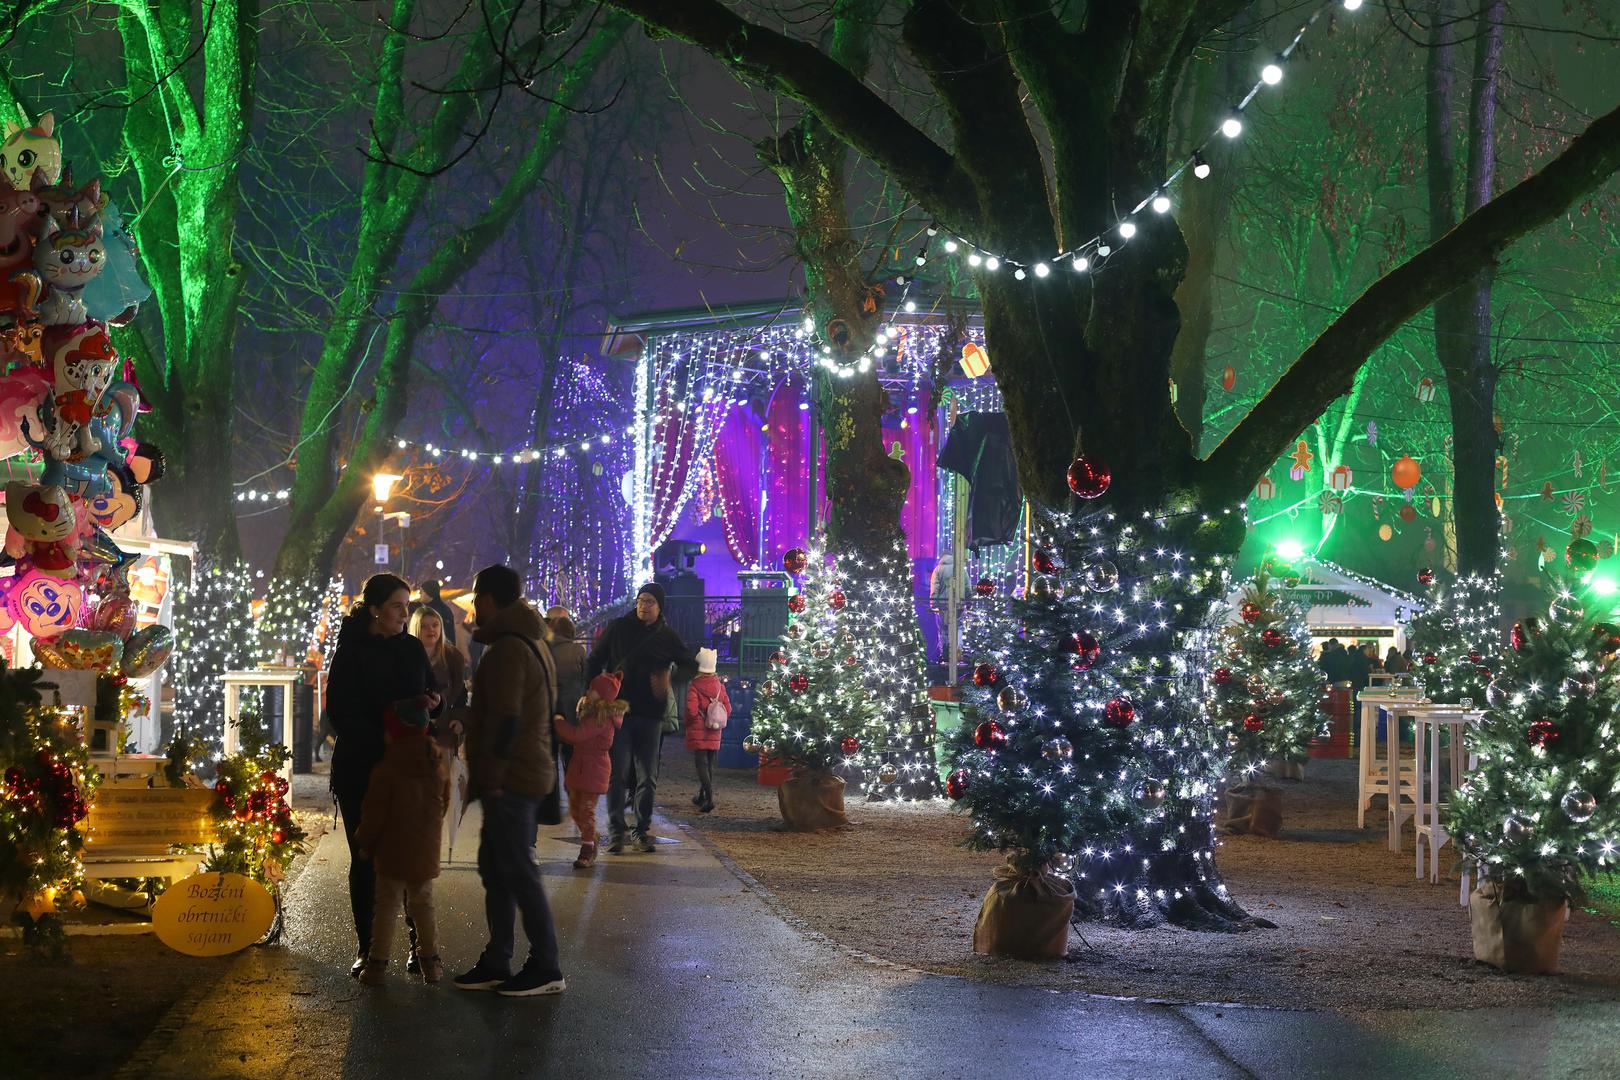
31	148
113	295
45	606
83	363
68	257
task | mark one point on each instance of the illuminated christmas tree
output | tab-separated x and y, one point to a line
1541	813
214	633
813	711
1085	749
1453	641
882	622
1264	689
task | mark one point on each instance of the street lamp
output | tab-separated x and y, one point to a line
382	485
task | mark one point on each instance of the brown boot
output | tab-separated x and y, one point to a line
375	973
587	857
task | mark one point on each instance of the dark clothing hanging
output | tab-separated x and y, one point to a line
979	448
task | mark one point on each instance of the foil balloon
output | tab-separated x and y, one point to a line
114	615
43	605
120	503
113	296
19	227
86	650
146	650
31	148
39	512
20	397
49	653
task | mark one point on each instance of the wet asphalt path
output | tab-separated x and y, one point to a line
677	969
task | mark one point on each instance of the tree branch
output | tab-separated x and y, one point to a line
801	71
1328	367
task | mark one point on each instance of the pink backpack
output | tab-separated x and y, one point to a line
714	713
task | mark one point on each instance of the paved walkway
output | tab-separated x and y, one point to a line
676	969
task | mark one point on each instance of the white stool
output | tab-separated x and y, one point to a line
1374	775
1428	722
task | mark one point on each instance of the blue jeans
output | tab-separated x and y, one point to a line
512	885
637	739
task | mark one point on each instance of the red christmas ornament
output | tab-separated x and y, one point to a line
1476	656
1044	562
1223	676
1430	658
797	603
1543	733
1408	513
849	744
1426	576
985	675
989	735
778	657
837	600
1250	611
799	683
1119	712
1271	637
850	661
1253	722
985	587
222	788
956	784
1088	477
795	560
1085	648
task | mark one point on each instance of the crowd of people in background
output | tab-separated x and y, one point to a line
525	700
1357	664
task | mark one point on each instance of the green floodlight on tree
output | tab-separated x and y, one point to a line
1290	550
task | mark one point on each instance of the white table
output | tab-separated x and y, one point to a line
1382	777
1428	721
286	678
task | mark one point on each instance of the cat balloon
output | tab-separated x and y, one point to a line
30	148
67	260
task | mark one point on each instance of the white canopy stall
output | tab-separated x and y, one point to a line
1349	606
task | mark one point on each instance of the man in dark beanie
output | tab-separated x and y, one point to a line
640	647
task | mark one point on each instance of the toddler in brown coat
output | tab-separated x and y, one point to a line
400	824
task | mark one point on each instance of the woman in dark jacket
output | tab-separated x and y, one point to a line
376	663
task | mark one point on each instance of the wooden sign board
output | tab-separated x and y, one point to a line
127	818
213	914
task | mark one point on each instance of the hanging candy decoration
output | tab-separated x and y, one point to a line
1406	473
1089	477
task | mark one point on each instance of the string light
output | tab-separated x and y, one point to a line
1231	126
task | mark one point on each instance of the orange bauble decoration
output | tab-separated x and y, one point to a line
1406	473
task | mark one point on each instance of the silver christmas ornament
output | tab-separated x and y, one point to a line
1062	863
1578	805
1102	576
1566	610
1495	696
1257	685
768	688
1045	589
795	632
1057	749
1149	794
1515	829
888	773
1011	700
1277	697
821	648
1580	684
1448	624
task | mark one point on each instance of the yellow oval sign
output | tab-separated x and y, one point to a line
213	914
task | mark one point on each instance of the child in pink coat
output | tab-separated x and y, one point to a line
600	714
708	707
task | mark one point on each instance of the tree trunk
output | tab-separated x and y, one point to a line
1463	319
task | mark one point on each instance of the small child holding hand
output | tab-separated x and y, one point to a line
600	715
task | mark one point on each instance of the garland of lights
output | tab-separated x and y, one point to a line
1540	814
257	833
1093	253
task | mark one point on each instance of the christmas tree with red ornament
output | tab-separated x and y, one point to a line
812	711
1085	753
1454	641
1264	689
257	832
1541	814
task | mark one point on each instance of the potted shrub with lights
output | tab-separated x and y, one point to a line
1539	815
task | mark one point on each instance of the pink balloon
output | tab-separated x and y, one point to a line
21	395
115	615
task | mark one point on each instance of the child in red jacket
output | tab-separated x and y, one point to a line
590	768
708	707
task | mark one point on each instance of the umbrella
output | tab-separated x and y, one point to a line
458	798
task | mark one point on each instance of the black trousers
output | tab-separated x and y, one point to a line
351	793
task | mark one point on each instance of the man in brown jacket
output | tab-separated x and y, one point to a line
510	769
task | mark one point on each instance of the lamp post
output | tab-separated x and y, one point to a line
382	487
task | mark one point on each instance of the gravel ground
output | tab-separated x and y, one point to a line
1355	927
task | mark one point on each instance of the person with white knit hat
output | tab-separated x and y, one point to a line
708	707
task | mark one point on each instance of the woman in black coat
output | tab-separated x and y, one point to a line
376	663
